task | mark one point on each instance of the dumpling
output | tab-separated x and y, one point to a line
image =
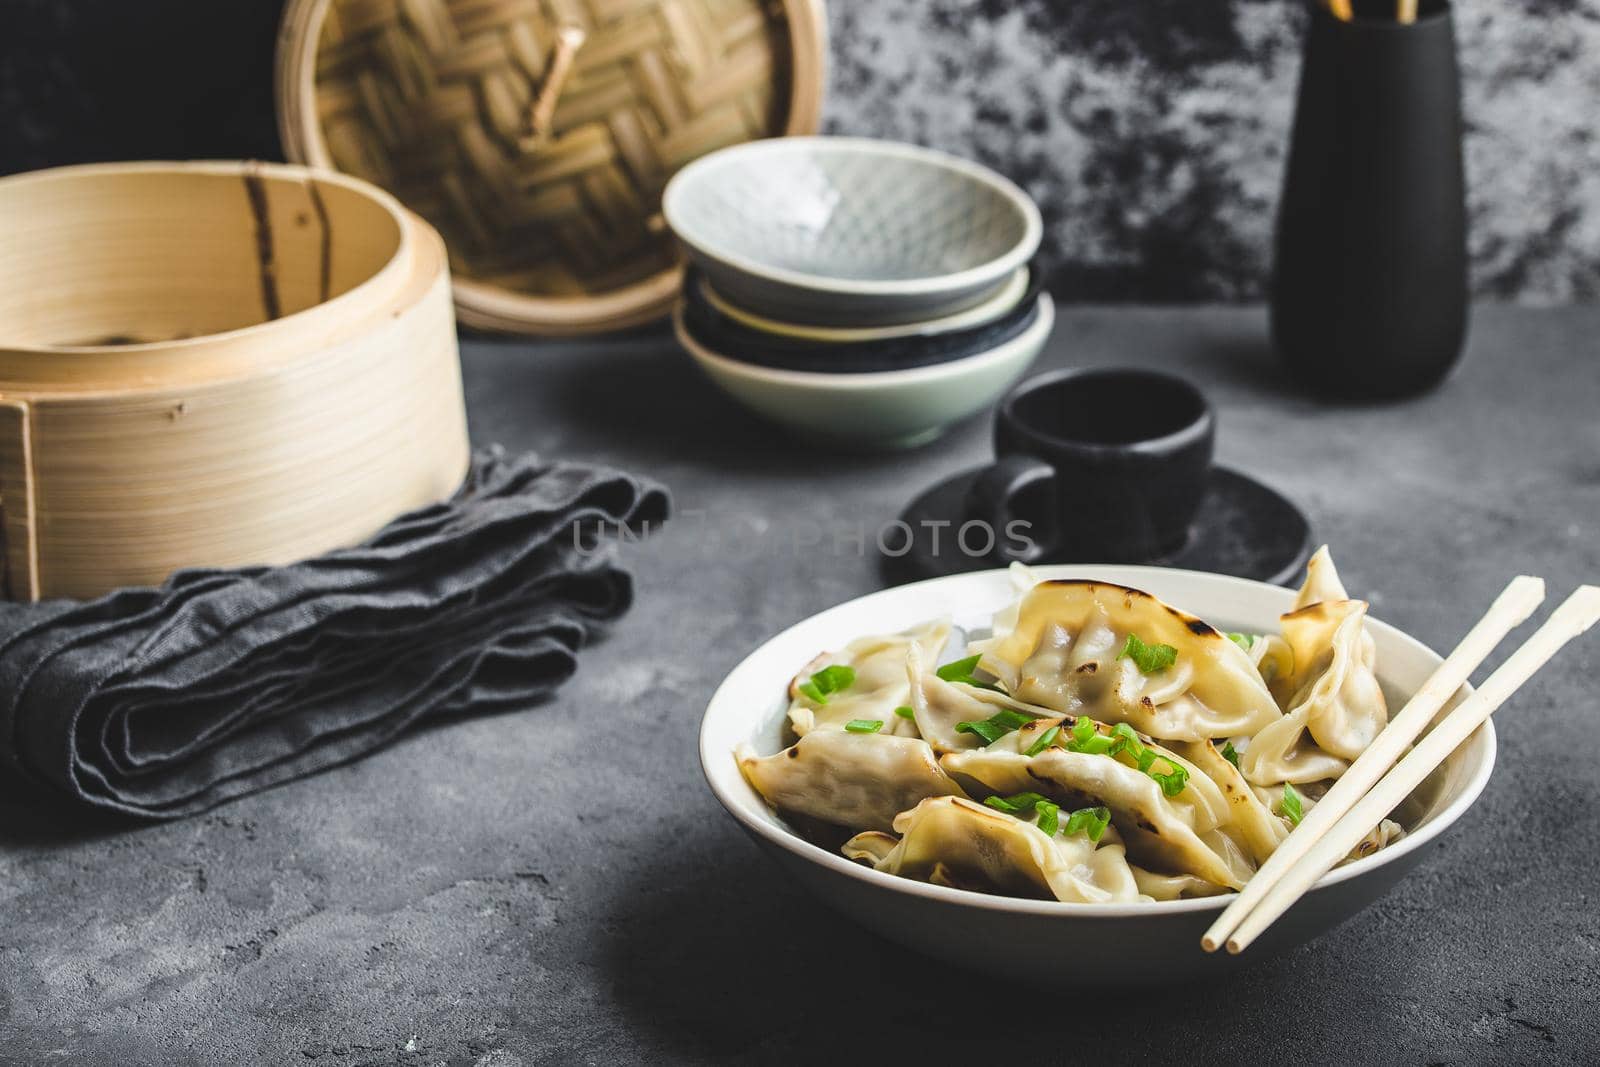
859	781
1322	582
1273	657
1250	820
1181	834
1384	834
880	684
1023	578
955	842
1172	886
939	706
1335	705
1065	652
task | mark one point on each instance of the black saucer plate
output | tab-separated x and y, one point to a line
1243	528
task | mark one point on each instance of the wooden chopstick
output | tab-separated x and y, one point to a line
1408	12
1509	610
1341	10
1575	615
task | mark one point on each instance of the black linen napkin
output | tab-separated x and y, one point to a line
168	701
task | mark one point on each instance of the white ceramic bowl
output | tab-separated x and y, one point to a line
1101	944
840	231
878	409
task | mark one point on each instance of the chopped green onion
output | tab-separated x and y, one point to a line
827	681
1046	739
1086	738
1230	753
995	726
1149	658
1049	817
961	671
1124	738
1290	805
1244	641
905	712
1098	745
1173	782
1082	730
864	726
1127	739
1092	821
1016	804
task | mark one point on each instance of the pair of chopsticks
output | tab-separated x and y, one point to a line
1405	13
1364	795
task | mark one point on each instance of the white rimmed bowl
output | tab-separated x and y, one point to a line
1100	944
840	231
878	409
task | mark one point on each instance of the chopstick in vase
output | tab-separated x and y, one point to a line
1509	610
1341	10
1407	13
1575	615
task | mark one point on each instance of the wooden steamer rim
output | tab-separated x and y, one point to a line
118	369
488	306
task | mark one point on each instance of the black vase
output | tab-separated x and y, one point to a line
1369	293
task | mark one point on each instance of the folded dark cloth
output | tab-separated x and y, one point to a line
165	702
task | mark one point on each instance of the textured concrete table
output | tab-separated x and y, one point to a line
559	886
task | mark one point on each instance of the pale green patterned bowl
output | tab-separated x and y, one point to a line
875	410
846	232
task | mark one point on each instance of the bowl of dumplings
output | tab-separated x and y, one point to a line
1066	771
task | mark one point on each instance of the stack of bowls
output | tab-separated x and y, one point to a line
860	291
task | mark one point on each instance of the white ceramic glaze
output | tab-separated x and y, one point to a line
841	231
1099	944
885	409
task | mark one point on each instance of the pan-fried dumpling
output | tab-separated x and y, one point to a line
1181	834
1322	582
880	683
1023	578
1384	834
958	843
1251	821
1336	706
1322	586
859	781
1066	651
1273	657
1172	886
939	706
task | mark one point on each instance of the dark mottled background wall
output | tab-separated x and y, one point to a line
1151	131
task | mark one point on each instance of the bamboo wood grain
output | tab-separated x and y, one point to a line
168	425
1509	610
554	230
1576	614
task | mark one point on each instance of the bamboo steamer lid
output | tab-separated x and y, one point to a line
537	135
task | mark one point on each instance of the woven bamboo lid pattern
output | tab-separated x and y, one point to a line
537	135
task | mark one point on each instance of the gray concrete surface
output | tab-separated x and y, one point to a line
559	886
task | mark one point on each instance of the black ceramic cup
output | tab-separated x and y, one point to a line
1369	291
1105	465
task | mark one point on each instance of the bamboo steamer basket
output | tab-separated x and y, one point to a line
538	135
214	364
